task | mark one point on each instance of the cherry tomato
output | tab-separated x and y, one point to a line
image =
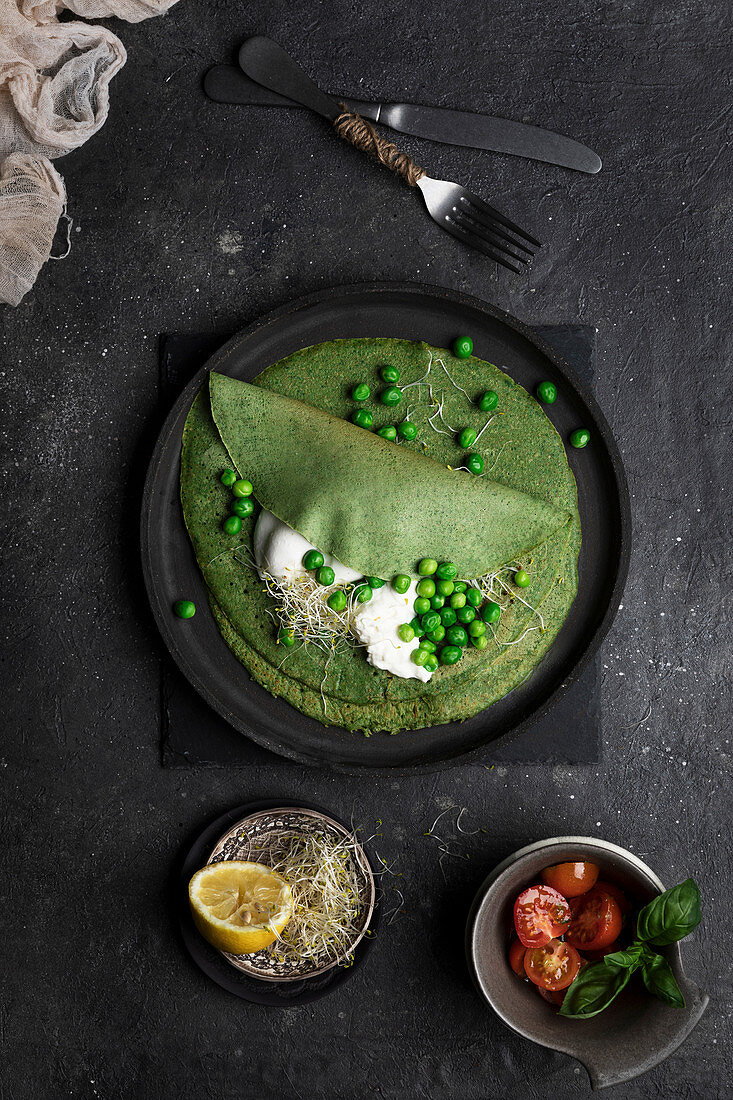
616	893
571	879
596	921
553	966
540	913
594	956
554	996
516	958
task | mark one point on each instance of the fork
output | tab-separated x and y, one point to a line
452	207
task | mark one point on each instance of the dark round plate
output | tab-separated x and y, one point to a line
411	312
215	965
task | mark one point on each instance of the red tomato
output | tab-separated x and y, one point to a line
554	996
616	893
516	958
596	921
553	966
540	913
571	879
594	956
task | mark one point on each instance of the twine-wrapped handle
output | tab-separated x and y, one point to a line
360	133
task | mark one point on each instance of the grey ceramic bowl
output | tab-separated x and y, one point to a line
633	1034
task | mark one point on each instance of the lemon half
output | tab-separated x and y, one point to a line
239	907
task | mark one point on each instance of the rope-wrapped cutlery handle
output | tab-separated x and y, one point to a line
361	134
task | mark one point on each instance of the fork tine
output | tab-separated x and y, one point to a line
496	240
476	242
477	217
473	200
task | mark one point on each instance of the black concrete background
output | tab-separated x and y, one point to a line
195	216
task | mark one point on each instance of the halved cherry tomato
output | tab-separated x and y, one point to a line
571	879
516	958
540	913
596	921
554	996
553	966
616	893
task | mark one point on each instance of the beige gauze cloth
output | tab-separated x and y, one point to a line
54	94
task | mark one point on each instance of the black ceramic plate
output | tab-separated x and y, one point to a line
411	312
215	965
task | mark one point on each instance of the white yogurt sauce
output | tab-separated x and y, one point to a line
279	550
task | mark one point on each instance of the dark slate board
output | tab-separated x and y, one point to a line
193	735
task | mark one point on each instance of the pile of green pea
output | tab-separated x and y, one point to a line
242	505
449	614
390	397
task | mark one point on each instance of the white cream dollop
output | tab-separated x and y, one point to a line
279	550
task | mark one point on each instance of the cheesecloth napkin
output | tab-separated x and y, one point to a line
54	94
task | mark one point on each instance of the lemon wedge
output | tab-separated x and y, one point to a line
239	907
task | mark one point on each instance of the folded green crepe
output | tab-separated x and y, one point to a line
378	507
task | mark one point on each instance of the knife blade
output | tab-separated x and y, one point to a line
228	84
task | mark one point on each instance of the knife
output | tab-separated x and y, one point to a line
228	84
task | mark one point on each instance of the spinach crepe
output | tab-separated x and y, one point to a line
378	507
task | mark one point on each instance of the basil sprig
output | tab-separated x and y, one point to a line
666	919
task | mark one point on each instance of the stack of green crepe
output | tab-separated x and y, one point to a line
378	507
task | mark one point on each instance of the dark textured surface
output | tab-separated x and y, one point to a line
194	216
193	734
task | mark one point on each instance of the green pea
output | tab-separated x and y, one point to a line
522	579
389	432
313	559
401	582
242	488
447	616
476	628
426	587
475	463
473	596
228	478
432	663
436	602
445	588
232	525
407	430
429	621
184	609
547	393
460	586
446	571
286	638
363	593
467	438
405	633
390	397
491	612
437	635
375	582
466	614
488	401
390	374
338	600
325	575
480	642
421	605
462	347
418	630
456	635
363	418
580	438
427	566
458	599
361	392
243	508
425	643
419	657
450	655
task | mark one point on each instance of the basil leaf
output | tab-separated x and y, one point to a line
593	990
659	980
624	960
670	916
